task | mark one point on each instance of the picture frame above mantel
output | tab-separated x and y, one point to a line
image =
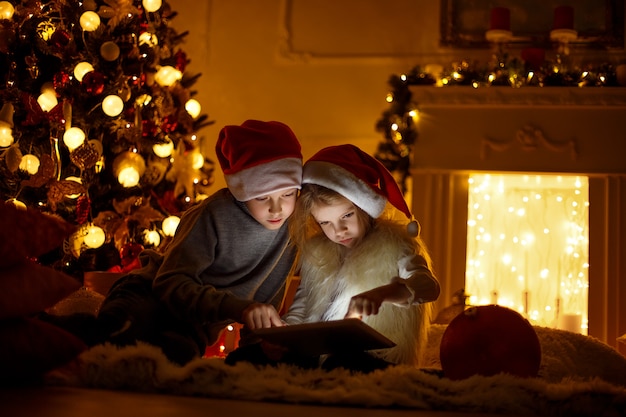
599	24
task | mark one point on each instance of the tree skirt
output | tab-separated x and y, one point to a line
579	376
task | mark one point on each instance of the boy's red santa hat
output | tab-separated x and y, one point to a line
360	178
259	158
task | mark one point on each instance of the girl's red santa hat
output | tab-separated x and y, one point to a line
259	158
360	178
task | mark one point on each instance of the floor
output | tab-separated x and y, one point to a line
77	402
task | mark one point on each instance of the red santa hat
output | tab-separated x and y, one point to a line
358	177
259	158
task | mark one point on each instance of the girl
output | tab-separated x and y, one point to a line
356	259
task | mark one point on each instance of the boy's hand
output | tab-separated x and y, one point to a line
259	316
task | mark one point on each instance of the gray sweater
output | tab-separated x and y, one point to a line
221	261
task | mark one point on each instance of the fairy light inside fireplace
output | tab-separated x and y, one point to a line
527	246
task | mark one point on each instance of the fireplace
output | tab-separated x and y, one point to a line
560	131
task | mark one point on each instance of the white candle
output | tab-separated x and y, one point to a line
570	322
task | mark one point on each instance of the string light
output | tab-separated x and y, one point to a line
128	168
193	108
81	69
94	236
163	150
6	136
169	225
152	237
166	76
73	138
89	21
47	100
6	10
30	164
151	5
112	105
538	265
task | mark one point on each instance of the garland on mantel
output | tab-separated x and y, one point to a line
398	122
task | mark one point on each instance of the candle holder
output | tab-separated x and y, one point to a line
499	40
562	35
499	35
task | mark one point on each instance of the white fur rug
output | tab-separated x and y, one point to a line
579	376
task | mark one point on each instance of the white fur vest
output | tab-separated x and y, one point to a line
331	276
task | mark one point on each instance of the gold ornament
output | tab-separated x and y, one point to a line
85	156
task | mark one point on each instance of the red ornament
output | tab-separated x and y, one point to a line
181	61
129	253
83	206
61	81
148	128
169	123
60	39
93	82
488	340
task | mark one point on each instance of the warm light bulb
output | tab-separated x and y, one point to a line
128	176
73	138
167	75
197	160
89	21
149	39
193	108
129	167
112	105
30	164
6	135
95	237
152	237
151	5
81	69
163	150
170	224
6	10
47	101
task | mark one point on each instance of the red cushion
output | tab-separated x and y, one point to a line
27	288
29	233
31	347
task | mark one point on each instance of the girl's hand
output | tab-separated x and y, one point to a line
259	316
366	304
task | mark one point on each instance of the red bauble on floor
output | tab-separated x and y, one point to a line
488	340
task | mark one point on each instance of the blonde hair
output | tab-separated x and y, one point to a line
302	224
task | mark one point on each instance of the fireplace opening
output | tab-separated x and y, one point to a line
528	246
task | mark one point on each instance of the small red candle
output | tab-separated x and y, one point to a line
563	17
500	19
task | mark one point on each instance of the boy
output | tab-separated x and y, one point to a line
230	257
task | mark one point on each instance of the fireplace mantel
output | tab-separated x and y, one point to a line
429	96
525	130
537	129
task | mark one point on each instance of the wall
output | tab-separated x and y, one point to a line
320	66
250	69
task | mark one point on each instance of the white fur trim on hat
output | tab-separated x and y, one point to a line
345	183
267	178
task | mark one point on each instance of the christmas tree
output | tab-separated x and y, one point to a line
98	125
